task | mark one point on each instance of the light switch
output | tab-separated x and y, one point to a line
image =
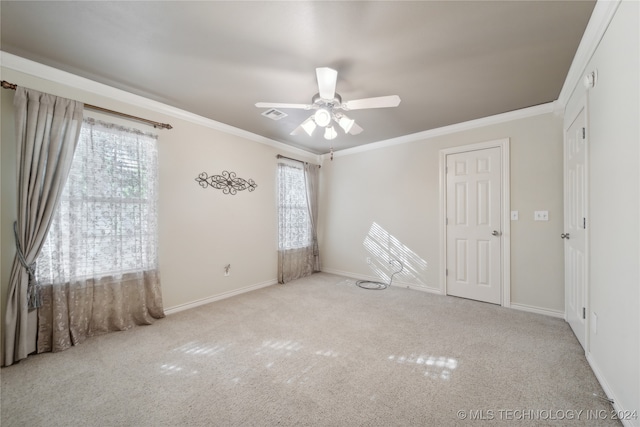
541	215
514	215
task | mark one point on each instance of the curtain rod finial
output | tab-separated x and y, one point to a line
7	85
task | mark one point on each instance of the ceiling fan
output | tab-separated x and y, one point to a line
329	108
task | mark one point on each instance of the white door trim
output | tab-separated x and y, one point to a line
505	208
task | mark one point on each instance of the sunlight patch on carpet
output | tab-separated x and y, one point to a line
199	349
435	367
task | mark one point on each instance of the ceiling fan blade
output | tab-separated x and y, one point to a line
308	126
378	102
327	78
283	105
355	129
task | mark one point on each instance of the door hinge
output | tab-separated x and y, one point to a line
584	133
446	221
446	272
584	313
584	223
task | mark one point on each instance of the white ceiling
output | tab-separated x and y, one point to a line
449	61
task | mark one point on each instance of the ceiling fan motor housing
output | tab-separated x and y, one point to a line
335	102
324	109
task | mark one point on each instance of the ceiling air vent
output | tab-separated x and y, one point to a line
274	114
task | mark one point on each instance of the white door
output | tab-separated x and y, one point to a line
575	224
473	231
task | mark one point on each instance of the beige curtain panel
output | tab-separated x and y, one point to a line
311	175
47	131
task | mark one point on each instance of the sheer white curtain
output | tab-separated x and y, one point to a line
297	215
99	265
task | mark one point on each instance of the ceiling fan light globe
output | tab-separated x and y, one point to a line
322	117
346	123
330	133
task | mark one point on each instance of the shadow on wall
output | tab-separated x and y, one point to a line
387	253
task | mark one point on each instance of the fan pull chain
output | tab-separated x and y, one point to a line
332	153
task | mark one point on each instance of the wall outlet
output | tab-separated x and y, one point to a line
514	215
368	260
541	215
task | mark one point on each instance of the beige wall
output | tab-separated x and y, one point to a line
613	107
201	230
397	188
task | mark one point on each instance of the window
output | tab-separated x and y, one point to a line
106	224
293	212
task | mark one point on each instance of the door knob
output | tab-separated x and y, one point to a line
496	233
564	236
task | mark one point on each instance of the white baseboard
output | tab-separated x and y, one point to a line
348	274
538	310
228	294
415	287
438	291
617	408
398	284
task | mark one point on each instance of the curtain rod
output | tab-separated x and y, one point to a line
280	156
7	85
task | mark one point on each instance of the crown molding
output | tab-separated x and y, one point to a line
537	110
601	17
36	69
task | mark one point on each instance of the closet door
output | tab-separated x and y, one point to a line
473	225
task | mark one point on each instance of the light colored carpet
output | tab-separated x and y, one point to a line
317	351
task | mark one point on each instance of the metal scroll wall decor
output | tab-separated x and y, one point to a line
227	182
